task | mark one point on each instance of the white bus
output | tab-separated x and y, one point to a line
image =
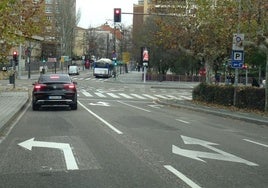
103	68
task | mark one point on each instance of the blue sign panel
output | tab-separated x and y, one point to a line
237	58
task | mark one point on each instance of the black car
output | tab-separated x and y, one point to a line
54	90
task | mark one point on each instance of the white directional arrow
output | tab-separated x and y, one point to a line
156	106
99	104
220	155
66	148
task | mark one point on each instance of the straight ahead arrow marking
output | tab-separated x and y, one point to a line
220	155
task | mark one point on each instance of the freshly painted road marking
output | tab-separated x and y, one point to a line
64	147
156	106
171	96
197	155
137	96
87	94
256	143
149	96
100	95
100	104
184	97
182	176
134	106
125	95
101	119
113	95
180	120
161	96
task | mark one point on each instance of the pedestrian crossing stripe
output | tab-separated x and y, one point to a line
150	96
125	95
138	96
132	96
161	96
113	95
87	94
100	95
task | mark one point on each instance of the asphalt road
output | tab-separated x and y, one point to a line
131	142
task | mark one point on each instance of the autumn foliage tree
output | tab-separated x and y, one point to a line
19	19
204	28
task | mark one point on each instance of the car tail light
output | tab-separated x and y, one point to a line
39	87
70	87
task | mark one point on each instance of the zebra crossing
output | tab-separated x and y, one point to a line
132	96
89	78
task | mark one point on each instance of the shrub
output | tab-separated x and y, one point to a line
246	97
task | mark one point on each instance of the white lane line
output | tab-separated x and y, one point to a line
134	106
180	120
256	143
182	176
101	119
113	95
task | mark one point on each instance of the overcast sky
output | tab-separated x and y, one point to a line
96	12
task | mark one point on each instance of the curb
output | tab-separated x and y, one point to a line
216	112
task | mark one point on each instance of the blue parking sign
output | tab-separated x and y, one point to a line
237	58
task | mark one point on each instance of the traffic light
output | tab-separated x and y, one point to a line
117	15
15	57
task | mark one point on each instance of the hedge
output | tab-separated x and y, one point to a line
246	97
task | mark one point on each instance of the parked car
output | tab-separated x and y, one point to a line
73	70
54	90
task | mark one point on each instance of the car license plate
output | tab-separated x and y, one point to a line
54	97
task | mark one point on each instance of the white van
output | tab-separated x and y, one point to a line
73	70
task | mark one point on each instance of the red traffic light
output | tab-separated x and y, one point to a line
117	11
15	56
117	15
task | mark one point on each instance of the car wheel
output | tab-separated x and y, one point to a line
74	106
35	107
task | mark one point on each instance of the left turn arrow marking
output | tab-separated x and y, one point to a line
66	148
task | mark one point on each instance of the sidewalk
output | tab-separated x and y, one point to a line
11	103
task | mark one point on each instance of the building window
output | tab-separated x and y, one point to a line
49	18
48	2
48	28
36	1
48	9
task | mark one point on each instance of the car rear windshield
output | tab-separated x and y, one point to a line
54	78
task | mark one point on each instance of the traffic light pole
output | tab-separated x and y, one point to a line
19	61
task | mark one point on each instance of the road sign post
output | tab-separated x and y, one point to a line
237	53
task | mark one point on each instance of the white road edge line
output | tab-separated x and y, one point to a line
182	176
264	145
134	106
101	119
